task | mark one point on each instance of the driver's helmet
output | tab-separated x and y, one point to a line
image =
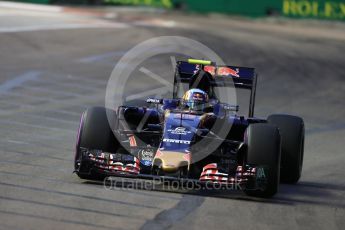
195	99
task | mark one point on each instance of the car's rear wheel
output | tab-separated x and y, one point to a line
292	132
94	132
263	149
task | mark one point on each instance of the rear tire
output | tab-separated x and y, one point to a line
292	132
95	132
263	149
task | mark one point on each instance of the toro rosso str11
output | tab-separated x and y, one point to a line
194	136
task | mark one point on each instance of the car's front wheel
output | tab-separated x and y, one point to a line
292	132
263	150
94	132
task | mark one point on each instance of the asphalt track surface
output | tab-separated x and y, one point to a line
48	77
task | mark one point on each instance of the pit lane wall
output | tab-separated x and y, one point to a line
316	9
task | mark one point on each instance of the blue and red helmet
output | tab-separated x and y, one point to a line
195	99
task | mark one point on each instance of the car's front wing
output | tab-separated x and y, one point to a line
117	165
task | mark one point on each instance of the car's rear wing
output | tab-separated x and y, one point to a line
241	77
226	76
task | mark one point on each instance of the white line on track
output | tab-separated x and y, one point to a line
27	6
47	153
14	104
34	140
41	146
100	57
11	96
17	133
30	165
71	26
68	77
17	142
67	83
69	113
36	108
52	91
18	81
51	118
72	131
47	99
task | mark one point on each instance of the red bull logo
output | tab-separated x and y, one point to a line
222	71
226	71
210	69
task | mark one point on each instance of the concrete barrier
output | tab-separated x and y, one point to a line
318	9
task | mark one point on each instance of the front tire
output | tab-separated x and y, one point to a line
94	132
264	149
292	132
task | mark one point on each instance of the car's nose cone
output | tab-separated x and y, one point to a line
171	161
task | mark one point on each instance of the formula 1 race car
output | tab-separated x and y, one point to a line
194	136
